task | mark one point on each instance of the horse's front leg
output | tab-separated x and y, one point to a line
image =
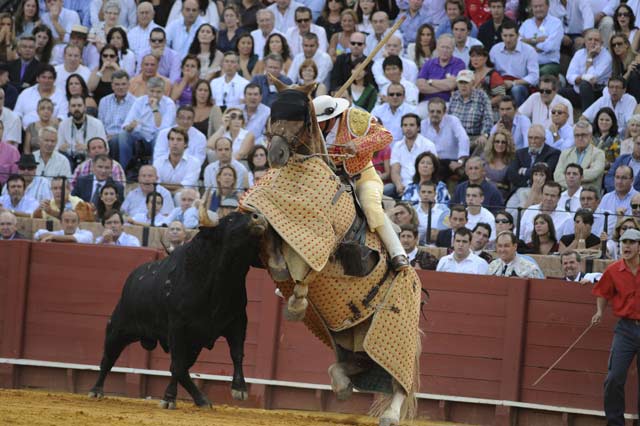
300	273
391	416
276	263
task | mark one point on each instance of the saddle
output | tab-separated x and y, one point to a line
356	258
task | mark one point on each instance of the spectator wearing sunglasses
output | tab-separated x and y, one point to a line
304	25
539	106
584	153
635	206
347	61
505	222
392	111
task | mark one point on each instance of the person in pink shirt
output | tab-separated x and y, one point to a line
9	157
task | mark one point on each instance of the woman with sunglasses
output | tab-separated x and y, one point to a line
623	58
100	79
624	21
613	245
117	37
498	153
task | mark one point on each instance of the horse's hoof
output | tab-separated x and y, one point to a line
290	315
296	308
340	383
388	421
95	394
239	395
167	405
344	394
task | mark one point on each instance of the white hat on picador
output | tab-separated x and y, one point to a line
328	107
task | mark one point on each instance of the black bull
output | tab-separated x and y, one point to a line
186	302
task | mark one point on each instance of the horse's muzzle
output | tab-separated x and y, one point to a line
278	152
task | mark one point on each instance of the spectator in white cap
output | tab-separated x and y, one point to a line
472	107
78	37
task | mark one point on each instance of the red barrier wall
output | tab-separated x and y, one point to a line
485	337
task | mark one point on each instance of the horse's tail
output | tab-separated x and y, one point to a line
409	408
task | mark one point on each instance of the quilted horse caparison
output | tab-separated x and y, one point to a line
377	314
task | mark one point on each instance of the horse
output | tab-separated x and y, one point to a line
370	317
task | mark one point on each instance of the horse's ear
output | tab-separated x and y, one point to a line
308	89
280	86
317	140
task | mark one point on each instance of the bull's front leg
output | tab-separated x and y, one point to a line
183	356
235	337
170	393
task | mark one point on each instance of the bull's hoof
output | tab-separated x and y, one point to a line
95	393
167	405
204	403
388	421
239	395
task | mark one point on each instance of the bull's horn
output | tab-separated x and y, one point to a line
203	214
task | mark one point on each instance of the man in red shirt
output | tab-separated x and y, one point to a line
620	284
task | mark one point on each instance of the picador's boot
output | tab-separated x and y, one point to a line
399	260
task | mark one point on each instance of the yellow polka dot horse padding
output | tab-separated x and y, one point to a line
298	201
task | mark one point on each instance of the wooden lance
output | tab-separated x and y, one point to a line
369	58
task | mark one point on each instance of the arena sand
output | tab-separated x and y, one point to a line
40	408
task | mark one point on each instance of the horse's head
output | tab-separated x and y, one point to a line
293	128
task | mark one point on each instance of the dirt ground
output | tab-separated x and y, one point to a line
39	408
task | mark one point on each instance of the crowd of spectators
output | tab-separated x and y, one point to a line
516	122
